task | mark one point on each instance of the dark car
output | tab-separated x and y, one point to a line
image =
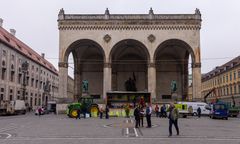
219	110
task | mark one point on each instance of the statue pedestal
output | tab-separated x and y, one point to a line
85	94
174	96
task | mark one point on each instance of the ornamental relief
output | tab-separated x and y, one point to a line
151	38
107	38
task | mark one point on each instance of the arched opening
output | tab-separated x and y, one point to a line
86	64
129	60
172	69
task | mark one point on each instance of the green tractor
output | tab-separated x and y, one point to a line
86	105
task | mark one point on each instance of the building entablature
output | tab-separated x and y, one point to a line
149	21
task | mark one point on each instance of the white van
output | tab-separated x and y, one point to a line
195	106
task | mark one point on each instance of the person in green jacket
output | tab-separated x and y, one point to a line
173	118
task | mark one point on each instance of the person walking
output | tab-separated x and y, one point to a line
148	115
141	115
137	116
101	112
157	111
199	112
106	112
173	119
78	114
39	111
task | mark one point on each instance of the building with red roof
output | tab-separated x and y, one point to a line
37	82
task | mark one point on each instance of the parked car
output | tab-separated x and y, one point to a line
219	110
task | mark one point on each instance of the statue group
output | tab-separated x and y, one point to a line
130	85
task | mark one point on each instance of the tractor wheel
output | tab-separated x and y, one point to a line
94	110
73	113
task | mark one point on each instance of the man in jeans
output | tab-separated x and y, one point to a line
148	115
173	118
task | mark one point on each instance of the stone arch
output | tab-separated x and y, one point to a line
181	42
129	58
75	44
88	58
171	60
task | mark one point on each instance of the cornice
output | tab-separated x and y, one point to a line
129	27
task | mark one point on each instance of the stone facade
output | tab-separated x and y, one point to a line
110	48
40	73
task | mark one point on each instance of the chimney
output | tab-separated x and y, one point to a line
1	22
13	32
43	55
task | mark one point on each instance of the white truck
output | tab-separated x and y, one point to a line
12	107
195	106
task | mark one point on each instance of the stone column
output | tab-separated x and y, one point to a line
196	76
152	80
77	84
63	78
107	79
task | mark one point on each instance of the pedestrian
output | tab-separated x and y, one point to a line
39	111
162	112
157	111
137	116
173	118
78	114
100	112
141	115
199	112
148	115
107	112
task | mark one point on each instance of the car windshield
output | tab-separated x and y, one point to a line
219	107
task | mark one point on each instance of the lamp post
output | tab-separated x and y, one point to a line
24	70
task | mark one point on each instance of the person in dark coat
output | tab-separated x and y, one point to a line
173	119
141	115
137	116
106	112
199	112
78	114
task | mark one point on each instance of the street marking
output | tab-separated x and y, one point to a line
5	135
135	131
127	131
122	138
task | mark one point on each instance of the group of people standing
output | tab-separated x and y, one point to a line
139	115
161	112
172	116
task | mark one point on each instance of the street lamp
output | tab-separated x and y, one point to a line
24	70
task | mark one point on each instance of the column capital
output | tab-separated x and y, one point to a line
196	65
63	64
151	65
107	65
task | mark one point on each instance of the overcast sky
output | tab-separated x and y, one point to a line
36	22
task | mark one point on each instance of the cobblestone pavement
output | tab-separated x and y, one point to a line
58	129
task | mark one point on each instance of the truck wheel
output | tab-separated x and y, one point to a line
73	113
226	118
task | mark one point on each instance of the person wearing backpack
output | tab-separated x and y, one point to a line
173	119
